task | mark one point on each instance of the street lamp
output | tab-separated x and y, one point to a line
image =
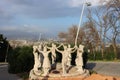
83	7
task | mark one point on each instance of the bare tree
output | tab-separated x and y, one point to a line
103	25
62	35
71	34
95	18
113	12
91	37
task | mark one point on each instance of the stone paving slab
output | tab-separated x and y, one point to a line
3	63
4	75
105	68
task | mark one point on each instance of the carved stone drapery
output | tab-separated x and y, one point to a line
43	61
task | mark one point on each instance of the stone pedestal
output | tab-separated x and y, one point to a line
57	74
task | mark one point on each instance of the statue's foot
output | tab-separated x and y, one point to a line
32	75
64	74
81	71
38	73
45	74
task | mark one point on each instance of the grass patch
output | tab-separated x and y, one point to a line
118	60
92	72
24	75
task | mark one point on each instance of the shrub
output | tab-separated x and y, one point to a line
4	48
109	56
95	56
98	56
20	60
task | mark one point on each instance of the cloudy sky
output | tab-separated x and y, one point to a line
31	17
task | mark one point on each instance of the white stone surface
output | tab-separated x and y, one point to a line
69	51
79	59
46	63
36	59
42	61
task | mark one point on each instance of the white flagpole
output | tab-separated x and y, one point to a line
83	7
40	34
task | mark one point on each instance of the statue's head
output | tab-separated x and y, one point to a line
53	44
81	47
69	45
65	47
35	48
45	48
40	46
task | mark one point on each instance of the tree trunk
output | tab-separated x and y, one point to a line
114	49
102	50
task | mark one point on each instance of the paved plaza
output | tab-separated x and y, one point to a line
105	68
4	75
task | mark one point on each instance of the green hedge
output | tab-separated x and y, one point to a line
98	56
20	60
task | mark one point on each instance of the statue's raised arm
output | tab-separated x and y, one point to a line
60	45
48	47
59	50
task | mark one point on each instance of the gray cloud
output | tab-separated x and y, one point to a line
24	28
5	17
22	32
10	10
43	8
7	13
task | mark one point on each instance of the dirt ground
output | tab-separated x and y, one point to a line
92	77
101	77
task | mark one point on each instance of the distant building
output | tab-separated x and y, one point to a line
16	43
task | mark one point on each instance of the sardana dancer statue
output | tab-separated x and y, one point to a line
42	65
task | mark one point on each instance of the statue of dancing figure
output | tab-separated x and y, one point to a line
53	48
36	60
64	58
79	59
70	50
46	62
41	57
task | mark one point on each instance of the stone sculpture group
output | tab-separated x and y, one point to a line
42	65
